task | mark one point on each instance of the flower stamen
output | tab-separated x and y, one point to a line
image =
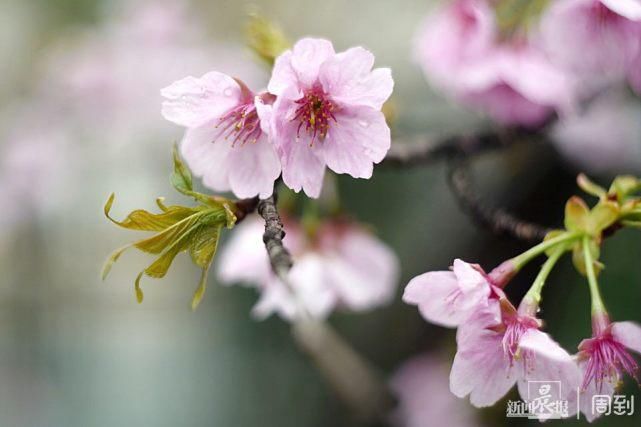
239	124
315	112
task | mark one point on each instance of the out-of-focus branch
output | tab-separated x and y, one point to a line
356	383
426	151
496	220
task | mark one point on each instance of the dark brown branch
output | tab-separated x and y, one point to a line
496	220
279	256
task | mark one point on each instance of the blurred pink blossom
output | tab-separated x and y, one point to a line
421	386
605	137
596	39
342	266
328	113
463	55
34	164
224	142
108	78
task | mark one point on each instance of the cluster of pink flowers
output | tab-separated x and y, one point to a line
338	265
547	66
500	346
321	109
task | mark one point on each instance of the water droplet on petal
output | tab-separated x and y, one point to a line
363	123
228	91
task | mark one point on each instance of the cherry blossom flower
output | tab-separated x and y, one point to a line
463	55
224	142
605	357
605	136
340	266
596	39
448	298
420	385
492	357
328	113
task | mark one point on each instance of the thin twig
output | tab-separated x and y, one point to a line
279	256
496	220
355	381
426	151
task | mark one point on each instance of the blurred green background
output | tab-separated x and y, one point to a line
75	351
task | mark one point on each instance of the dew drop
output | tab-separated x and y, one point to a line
228	91
363	123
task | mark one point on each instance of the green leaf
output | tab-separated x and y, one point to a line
146	221
590	187
178	229
139	294
159	242
576	214
204	244
159	268
200	290
181	177
111	259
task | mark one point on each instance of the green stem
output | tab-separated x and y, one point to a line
532	298
597	302
521	260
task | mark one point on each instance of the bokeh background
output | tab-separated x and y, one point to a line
80	118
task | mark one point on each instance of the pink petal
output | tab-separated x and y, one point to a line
207	159
630	9
469	277
275	298
284	77
586	396
253	168
307	57
453	40
301	163
349	78
628	334
509	107
576	36
363	271
308	277
480	369
192	102
613	116
302	169
431	292
545	360
420	386
244	258
359	138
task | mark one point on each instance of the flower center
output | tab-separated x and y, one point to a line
314	114
241	123
606	359
515	328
